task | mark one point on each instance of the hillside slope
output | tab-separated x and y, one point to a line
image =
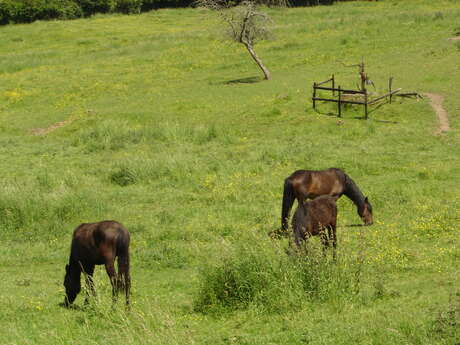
153	121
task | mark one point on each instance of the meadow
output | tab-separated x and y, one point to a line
154	121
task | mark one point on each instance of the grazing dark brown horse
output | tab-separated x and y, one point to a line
315	217
98	244
309	184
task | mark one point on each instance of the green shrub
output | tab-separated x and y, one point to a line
266	277
26	11
148	5
237	282
5	12
129	6
90	7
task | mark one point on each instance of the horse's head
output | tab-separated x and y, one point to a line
71	283
365	212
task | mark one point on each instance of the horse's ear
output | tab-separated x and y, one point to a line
366	200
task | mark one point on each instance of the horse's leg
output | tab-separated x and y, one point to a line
124	278
110	269
88	272
299	236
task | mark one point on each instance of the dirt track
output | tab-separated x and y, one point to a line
436	103
44	131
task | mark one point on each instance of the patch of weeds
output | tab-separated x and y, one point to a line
124	176
382	291
269	279
447	323
273	113
205	135
162	255
45	180
165	218
438	16
137	228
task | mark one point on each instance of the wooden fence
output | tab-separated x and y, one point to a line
365	102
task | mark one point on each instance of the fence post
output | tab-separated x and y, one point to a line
390	81
314	95
333	86
339	102
365	103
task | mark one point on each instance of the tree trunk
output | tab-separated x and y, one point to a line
264	69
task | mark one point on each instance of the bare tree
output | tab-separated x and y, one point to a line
245	23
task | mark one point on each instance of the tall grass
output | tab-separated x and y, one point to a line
168	130
265	276
39	208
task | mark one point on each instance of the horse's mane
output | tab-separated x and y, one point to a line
353	192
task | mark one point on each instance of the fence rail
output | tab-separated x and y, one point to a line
340	92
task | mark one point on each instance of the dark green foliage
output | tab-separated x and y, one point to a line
128	6
27	11
296	3
90	7
148	5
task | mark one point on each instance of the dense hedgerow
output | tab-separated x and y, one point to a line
27	11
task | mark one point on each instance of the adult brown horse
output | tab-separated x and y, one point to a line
309	184
313	218
98	244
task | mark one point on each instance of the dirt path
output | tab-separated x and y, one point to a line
44	131
456	38
436	103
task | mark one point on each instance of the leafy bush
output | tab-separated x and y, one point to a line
26	11
90	7
5	12
148	5
129	6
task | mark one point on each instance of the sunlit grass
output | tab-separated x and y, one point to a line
170	131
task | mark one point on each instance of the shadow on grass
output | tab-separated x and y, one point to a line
330	114
248	80
350	226
71	307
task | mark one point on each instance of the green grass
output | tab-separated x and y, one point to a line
160	137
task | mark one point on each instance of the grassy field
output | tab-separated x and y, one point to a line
169	130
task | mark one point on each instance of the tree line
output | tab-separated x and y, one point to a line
27	11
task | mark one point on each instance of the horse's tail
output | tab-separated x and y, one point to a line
288	200
124	281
